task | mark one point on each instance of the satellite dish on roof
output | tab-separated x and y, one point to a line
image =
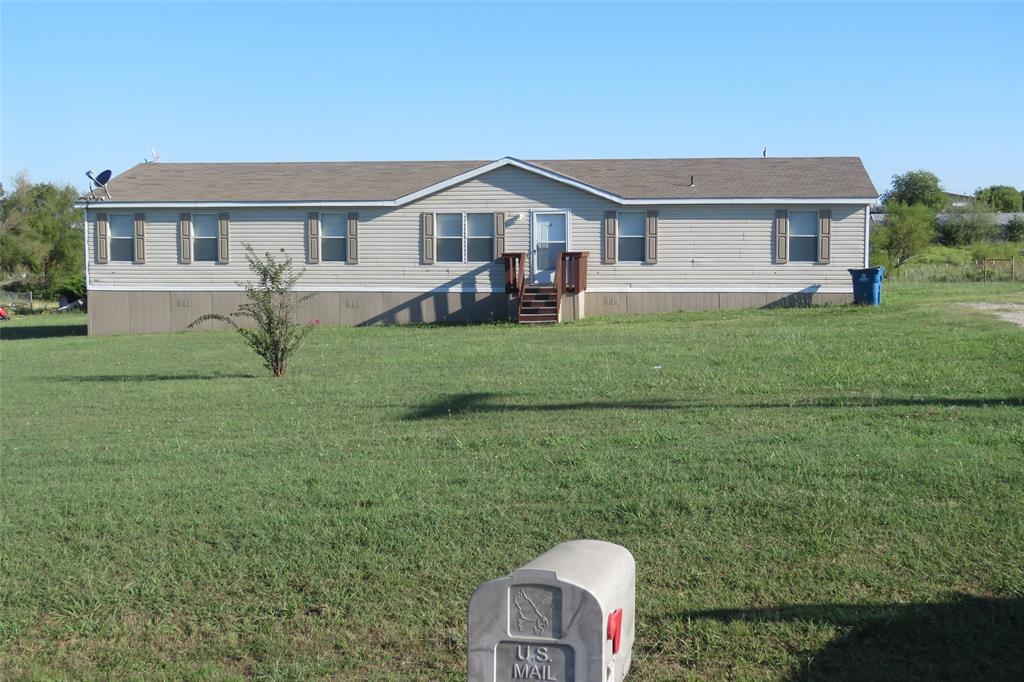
100	180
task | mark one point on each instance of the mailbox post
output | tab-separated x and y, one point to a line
567	616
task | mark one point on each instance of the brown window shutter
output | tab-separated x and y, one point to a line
140	238
428	238
185	238
352	233
102	238
782	236
611	229
223	240
651	242
499	235
824	236
313	237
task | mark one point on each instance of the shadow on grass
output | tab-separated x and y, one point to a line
965	638
115	378
40	331
479	403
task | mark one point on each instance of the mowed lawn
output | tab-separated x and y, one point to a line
829	493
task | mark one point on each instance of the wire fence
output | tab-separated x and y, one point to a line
16	301
985	270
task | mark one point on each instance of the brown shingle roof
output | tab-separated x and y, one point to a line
722	178
388	180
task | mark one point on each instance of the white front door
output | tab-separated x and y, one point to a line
549	238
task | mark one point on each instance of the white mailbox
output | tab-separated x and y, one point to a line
567	616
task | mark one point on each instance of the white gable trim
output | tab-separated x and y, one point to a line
474	173
507	161
400	201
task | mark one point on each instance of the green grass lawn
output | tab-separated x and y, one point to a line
829	493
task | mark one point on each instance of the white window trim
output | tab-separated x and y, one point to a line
789	236
195	238
110	237
465	234
320	237
618	236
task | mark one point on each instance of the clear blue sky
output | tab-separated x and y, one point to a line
922	85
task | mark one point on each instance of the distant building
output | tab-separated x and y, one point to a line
959	200
998	219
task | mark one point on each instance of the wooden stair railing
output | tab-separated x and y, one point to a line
543	303
559	283
515	273
574	271
570	276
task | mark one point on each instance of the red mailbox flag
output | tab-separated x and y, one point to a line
615	629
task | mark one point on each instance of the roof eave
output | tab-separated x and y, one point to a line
702	201
476	172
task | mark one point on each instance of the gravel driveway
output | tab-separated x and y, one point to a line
1011	312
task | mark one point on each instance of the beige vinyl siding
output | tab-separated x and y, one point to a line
729	247
715	247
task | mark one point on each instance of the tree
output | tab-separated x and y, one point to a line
276	336
40	234
906	231
1001	198
917	187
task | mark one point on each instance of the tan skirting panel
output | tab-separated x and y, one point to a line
138	312
632	303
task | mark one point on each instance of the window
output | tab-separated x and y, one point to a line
204	236
803	236
632	227
449	237
479	237
334	236
122	236
464	237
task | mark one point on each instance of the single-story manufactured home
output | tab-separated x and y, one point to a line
431	241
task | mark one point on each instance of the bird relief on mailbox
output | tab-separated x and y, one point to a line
534	611
567	616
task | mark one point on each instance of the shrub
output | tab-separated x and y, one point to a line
272	306
965	225
998	249
937	253
1013	231
983	250
69	286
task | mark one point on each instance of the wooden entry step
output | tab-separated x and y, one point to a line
538	305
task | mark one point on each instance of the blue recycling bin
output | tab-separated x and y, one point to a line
867	285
